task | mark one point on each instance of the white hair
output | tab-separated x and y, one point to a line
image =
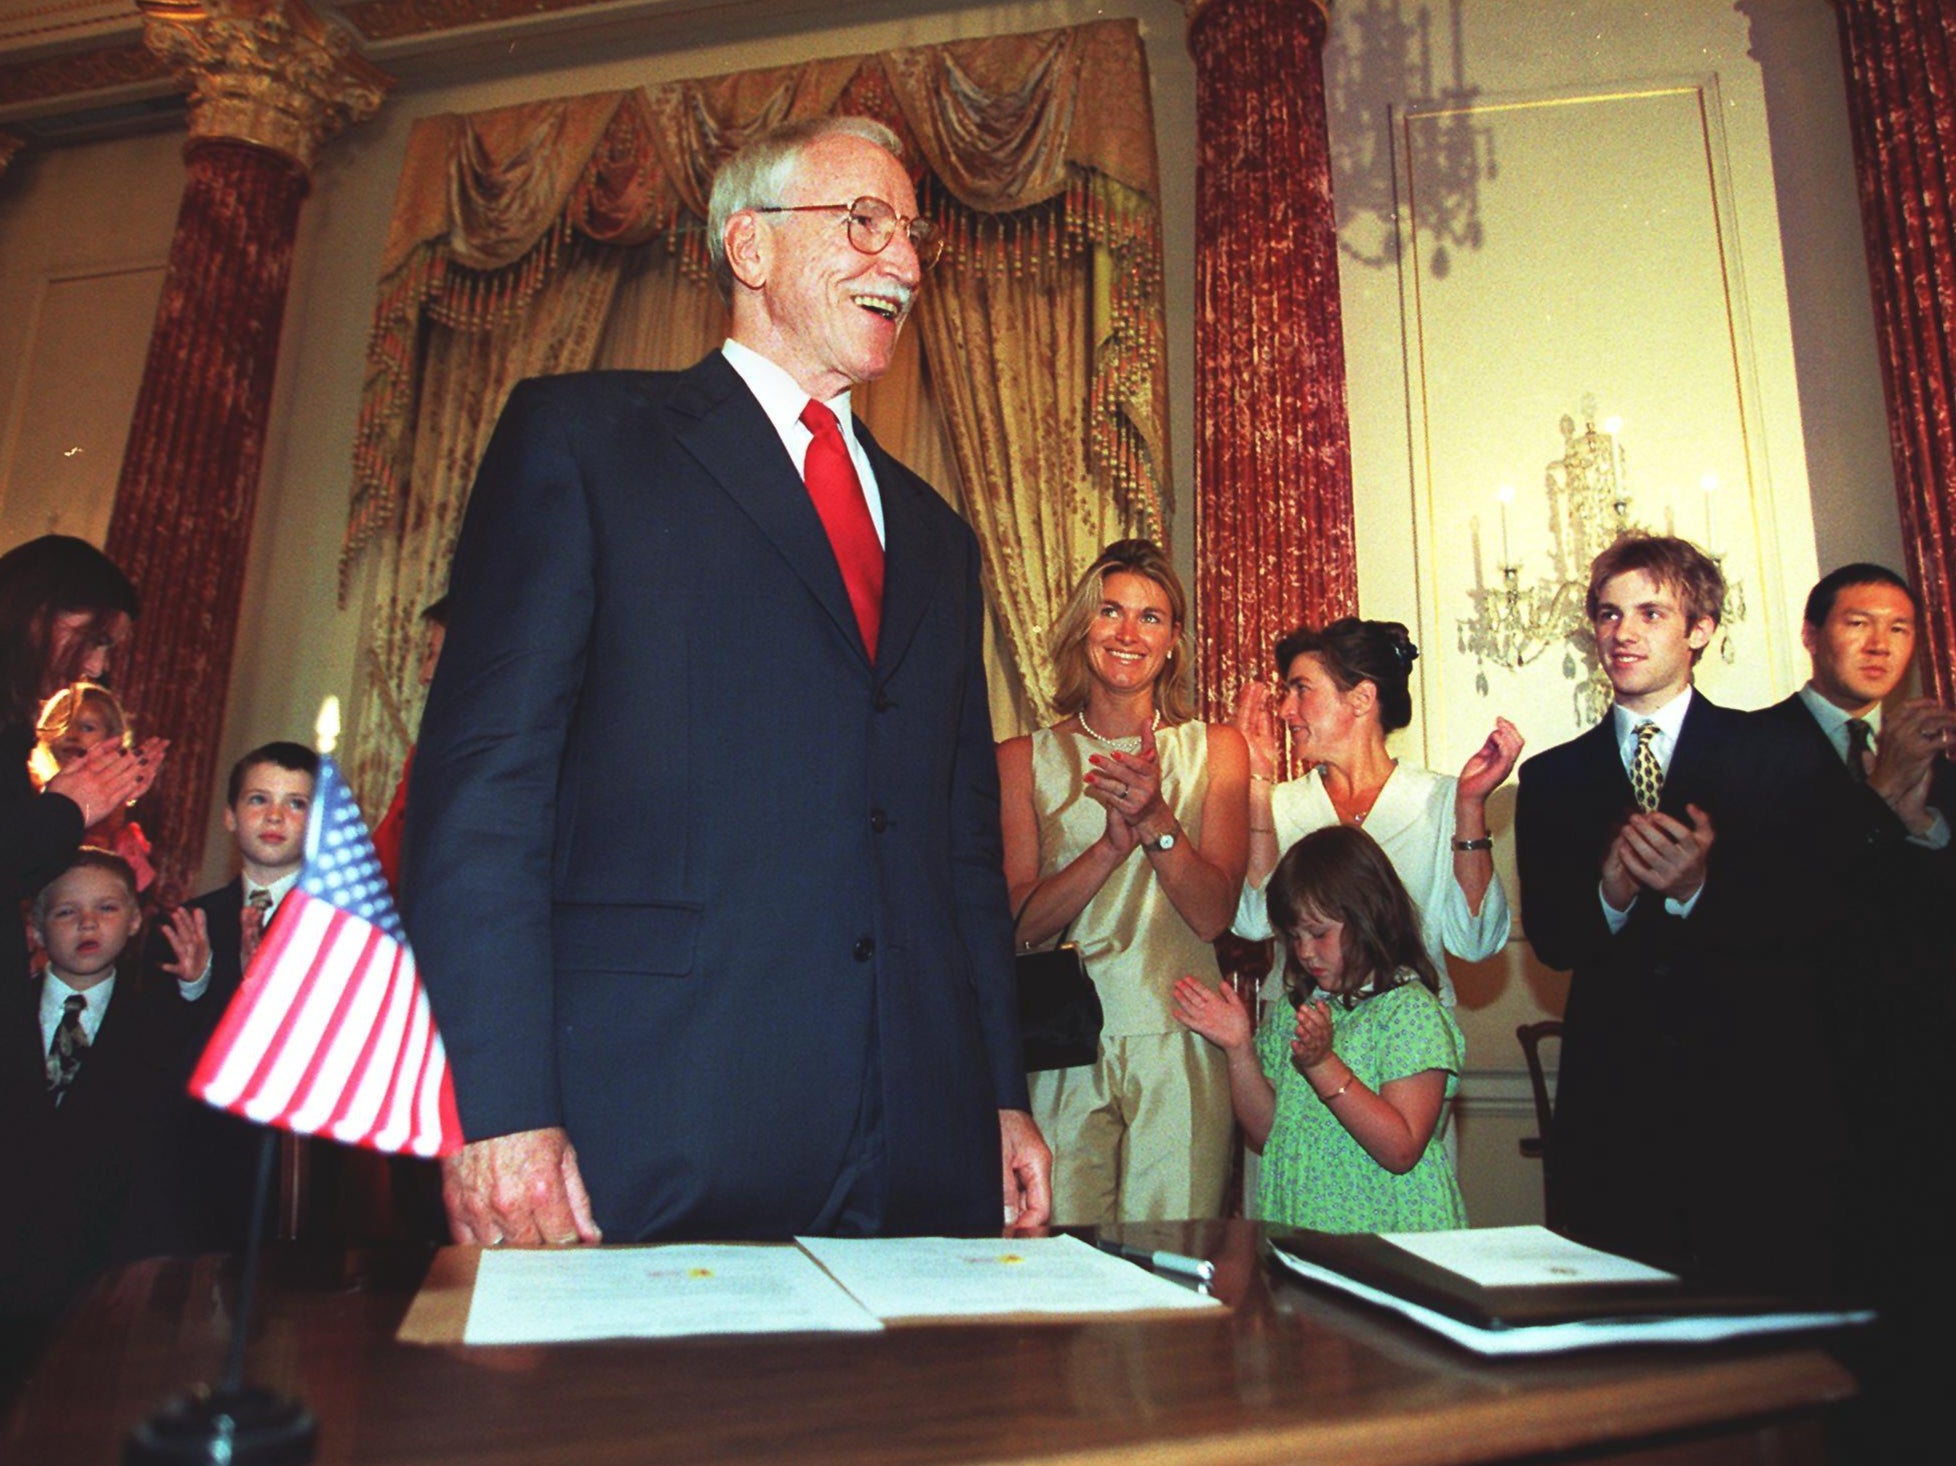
760	169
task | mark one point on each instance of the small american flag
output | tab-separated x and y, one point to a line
330	1032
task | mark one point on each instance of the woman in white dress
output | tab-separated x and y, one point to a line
1124	830
1345	689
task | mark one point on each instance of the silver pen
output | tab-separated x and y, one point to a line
1199	1268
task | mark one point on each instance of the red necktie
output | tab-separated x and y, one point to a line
838	496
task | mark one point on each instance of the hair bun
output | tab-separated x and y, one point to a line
1401	642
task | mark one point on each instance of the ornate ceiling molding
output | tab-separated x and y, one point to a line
78	68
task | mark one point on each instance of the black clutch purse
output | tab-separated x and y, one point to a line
1059	1007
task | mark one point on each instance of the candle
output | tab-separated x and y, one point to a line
1506	494
1709	483
326	732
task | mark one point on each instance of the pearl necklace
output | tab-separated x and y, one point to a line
1129	744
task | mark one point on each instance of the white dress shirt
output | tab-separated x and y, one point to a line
782	399
54	1002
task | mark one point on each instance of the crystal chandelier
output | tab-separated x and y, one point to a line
1516	621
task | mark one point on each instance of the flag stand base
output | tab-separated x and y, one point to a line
235	1424
249	1427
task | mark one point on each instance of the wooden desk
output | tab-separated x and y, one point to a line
1290	1374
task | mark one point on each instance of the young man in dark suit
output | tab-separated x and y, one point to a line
1673	858
703	866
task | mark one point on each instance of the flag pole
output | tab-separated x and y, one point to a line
237	1423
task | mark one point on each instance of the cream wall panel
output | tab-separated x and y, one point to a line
1628	296
73	398
84	234
1580	205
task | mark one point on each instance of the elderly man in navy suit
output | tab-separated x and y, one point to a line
703	867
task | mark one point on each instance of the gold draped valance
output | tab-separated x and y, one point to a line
1035	152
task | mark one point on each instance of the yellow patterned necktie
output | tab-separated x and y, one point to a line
1646	777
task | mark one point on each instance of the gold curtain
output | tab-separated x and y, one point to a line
562	235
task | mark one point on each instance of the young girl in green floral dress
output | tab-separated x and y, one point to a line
1346	1100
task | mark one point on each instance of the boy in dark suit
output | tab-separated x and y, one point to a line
83	1055
206	945
1674	857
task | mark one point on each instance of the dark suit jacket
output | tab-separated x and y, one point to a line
196	1180
1896	957
685	873
1694	1120
1792	714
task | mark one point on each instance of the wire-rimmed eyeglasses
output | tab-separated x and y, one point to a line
873	224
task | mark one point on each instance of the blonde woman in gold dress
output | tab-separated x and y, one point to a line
1126	829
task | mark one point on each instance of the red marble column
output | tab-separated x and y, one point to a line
1901	94
183	510
1274	540
269	84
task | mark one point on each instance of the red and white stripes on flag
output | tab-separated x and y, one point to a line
330	1032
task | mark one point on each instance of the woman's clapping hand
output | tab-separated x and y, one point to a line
108	777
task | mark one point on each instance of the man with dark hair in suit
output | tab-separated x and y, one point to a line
703	865
1896	960
1860	629
1673	857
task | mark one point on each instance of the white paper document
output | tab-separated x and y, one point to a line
949	1277
1512	1257
557	1294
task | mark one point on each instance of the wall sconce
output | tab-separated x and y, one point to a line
1516	621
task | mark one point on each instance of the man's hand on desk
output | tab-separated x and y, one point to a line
1028	1167
521	1190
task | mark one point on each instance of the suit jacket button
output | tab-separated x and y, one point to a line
883	702
878	821
865	948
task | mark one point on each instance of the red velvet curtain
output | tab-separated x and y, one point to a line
1274	540
1901	89
181	527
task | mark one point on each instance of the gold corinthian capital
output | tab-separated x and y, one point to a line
1194	9
268	72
